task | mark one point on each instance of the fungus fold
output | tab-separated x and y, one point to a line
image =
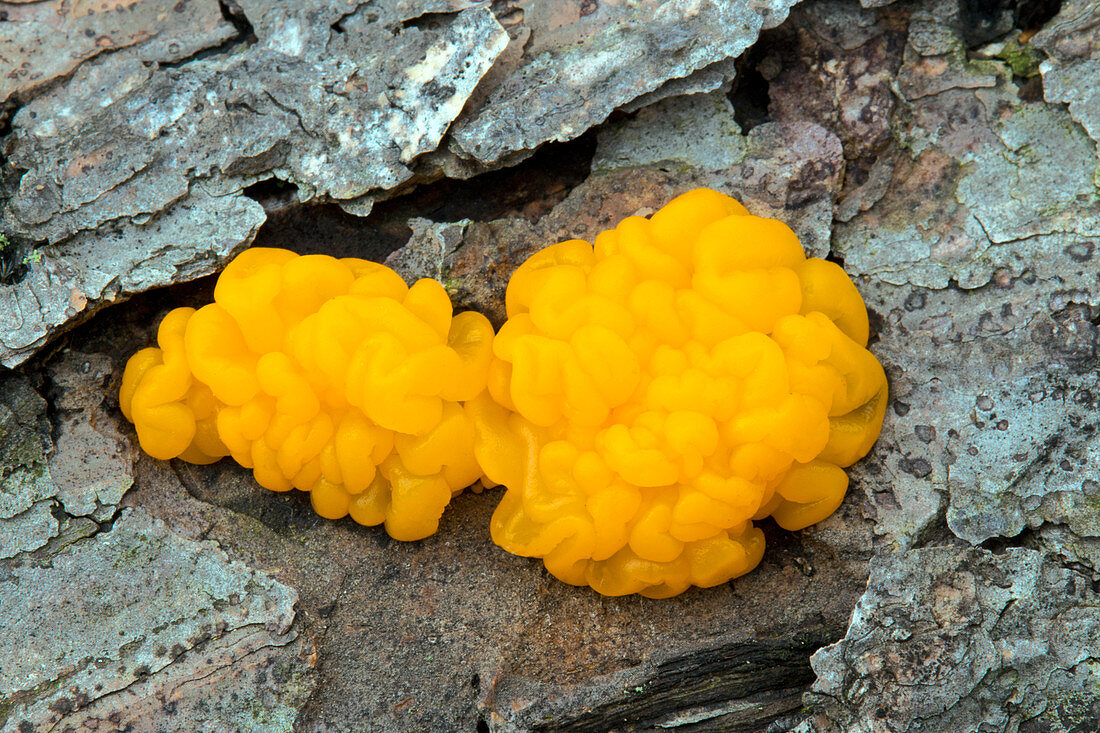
656	392
326	375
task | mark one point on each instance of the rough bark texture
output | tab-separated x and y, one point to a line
946	159
155	627
998	642
345	101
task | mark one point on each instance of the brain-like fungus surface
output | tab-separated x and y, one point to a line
322	374
653	394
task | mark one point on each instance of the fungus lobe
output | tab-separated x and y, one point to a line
654	393
321	374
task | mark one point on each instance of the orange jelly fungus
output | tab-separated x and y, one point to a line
326	375
653	394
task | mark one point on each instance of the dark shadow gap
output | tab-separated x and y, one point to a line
428	21
1027	537
16	254
232	12
528	190
1031	15
7	113
982	21
750	93
274	194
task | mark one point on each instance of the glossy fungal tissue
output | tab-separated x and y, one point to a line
653	394
326	375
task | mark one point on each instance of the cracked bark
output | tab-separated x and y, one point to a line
347	102
994	640
106	611
895	141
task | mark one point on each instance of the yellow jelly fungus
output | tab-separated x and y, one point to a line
321	374
654	393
